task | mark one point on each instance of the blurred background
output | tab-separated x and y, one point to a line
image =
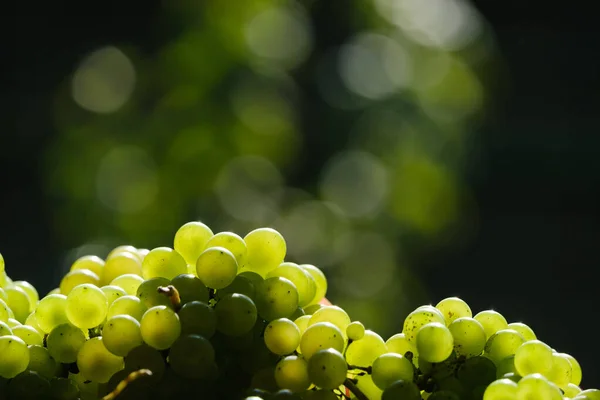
413	150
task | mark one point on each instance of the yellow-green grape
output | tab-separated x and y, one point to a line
590	394
327	369
304	282
469	336
127	305
502	344
492	321
192	356
310	310
3	279
368	388
453	308
266	250
216	267
282	336
236	314
390	367
163	262
400	345
198	318
363	352
400	389
96	363
421	316
5	329
13	322
478	371
29	335
50	312
42	362
86	306
232	242
532	357
88	390
126	248
113	293
76	278
3	295
121	334
190	288
190	240
4	311
149	295
54	291
320	282
506	366
120	264
276	298
355	330
1	264
560	373
523	329
576	369
292	373
333	314
572	390
28	385
18	302
31	292
15	356
64	342
241	284
160	327
501	389
93	263
537	387
319	336
142	253
302	322
128	282
434	342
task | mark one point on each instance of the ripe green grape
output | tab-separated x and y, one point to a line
469	336
63	389
502	344
121	334
537	387
32	322
355	330
333	314
96	363
4	311
591	394
475	372
86	306
363	352
127	305
492	321
292	373
320	282
421	316
575	369
453	308
523	329
149	295
242	285
501	389
1	264
160	327
572	390
13	322
31	291
322	335
42	362
192	356
366	385
190	240
126	248
506	366
15	356
216	267
400	345
128	282
18	301
163	262
532	357
434	342
145	357
304	282
232	242
390	367
5	329
236	314
190	288
327	368
400	389
93	263
29	335
28	385
50	312
120	264
76	278
560	373
282	336
64	342
113	293
266	250
276	298
3	294
198	318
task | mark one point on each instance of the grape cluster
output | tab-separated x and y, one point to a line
219	316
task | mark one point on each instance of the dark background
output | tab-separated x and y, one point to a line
535	174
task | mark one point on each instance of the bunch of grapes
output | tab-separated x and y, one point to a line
219	316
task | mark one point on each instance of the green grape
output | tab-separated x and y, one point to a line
160	327
64	342
242	285
1	263
92	263
190	288
276	298
42	362
31	292
434	342
444	395
29	335
113	293
560	373
492	321
142	253
15	356
18	302
536	387
145	357
304	282
532	357
198	318
28	385
421	316
320	282
192	356
86	306
96	363
297	314
88	390
3	296
50	312
355	330
400	345
63	389
232	242
469	336
302	323
505	366
121	334
236	314
576	369
327	368
292	373
453	308
127	305
501	389
401	389
76	278
322	335
390	367
163	262
333	314
120	263
502	344
4	311
149	295
126	248
5	329
266	250
13	322
476	371
216	267
32	322
523	329
366	385
282	336
128	282
310	310
572	390
513	376
190	240
443	370
363	352
591	394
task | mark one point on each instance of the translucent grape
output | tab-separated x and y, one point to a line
475	372
501	389
5	329
242	285
502	344
32	322
42	362
333	314
31	292
50	312
236	314
15	356
121	334
93	263
113	293
163	262
127	305
536	387
64	342
322	335
400	389
190	288
400	345
3	294
327	368
160	327
192	356
505	366
492	321
591	394
28	385
4	311
13	322
363	352
560	373
453	308
421	316
523	329
190	240
120	264
434	342
1	263
86	306
292	373
304	282
216	267
390	367
18	301
572	390
266	250
366	385
128	282
126	248
198	318
63	389
355	330
310	310
96	363
282	336
232	242
320	282
276	298
28	334
469	336
149	295
532	357
76	278
575	369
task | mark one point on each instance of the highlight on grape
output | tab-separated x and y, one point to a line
219	316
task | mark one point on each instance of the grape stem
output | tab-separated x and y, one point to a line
172	293
353	388
365	369
123	384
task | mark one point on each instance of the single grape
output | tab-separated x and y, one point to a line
28	385
276	298
190	288
64	342
121	334
502	344
145	357
86	306
236	314
50	312
4	311
242	285
29	335
190	240
523	329
18	302
434	342
320	282
121	263
96	363
93	263
560	373
216	267
232	242
304	282
421	316
266	250
476	371
128	282
469	336
492	321
198	318
63	389
127	305
282	336
333	314
32	322
572	390
390	367
310	310
126	248
15	356
576	369
163	262
192	356
501	389
42	362
505	366
113	293
149	295
160	327
453	308
322	335
532	357
327	368
366	386
355	330
78	277
363	352
401	389
591	394
5	329
292	373
31	292
537	387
